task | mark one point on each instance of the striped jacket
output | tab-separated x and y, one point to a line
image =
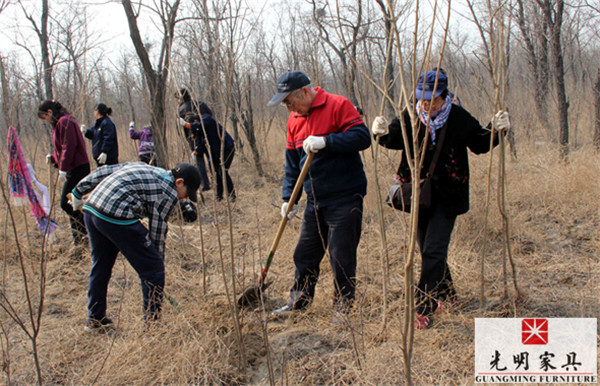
124	193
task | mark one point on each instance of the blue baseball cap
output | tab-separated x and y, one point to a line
288	82
425	91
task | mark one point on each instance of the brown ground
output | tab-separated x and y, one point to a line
554	228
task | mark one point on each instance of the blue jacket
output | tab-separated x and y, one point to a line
104	140
336	174
210	144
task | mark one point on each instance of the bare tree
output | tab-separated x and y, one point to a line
534	33
553	12
157	78
41	31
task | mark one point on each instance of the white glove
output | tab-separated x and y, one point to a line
132	125
102	158
62	176
380	126
76	203
290	215
313	144
48	159
182	122
501	121
83	129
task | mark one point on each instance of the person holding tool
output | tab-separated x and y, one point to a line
329	126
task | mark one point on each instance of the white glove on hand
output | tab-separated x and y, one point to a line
62	176
182	122
132	125
48	159
501	121
83	129
102	158
76	203
380	127
292	213
313	144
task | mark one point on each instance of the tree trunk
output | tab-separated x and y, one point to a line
248	127
45	52
5	97
597	111
559	74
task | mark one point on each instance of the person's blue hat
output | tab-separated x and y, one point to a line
288	82
425	91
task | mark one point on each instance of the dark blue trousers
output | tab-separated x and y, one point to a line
433	236
335	229
201	165
106	240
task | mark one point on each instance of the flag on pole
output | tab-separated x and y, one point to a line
20	183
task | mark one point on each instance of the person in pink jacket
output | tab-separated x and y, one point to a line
70	157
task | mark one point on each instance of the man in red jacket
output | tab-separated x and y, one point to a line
330	126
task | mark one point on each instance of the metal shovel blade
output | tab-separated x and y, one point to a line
251	295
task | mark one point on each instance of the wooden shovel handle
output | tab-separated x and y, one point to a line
284	220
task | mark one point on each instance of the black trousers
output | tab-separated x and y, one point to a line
75	217
433	236
228	157
335	229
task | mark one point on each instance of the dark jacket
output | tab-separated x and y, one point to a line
336	174
450	181
207	136
196	107
104	140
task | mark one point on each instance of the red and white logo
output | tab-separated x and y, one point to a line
534	331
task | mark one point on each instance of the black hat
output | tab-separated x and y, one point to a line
288	82
191	178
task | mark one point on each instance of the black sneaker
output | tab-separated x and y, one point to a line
93	325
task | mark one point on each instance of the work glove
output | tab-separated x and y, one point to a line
313	144
62	176
76	203
132	125
48	159
290	215
380	127
102	158
83	129
501	121
182	122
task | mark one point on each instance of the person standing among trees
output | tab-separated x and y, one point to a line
189	106
450	180
119	196
208	135
105	147
330	126
69	156
145	143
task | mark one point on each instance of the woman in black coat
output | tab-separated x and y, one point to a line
450	180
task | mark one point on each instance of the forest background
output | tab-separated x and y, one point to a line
538	59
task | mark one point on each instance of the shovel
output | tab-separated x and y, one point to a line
252	294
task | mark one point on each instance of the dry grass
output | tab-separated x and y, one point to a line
555	220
